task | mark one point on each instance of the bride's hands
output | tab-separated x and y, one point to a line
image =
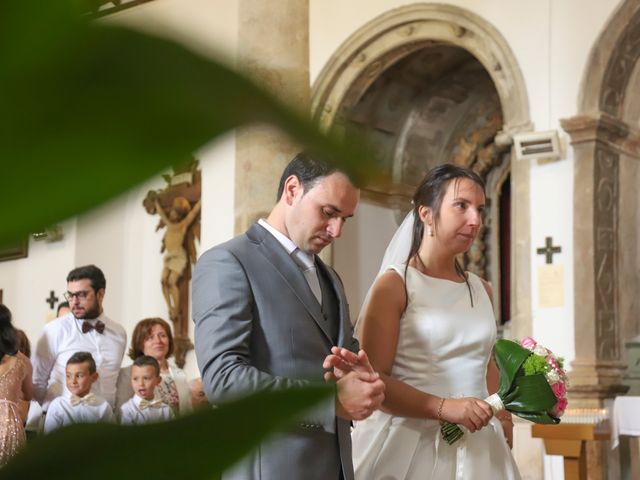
342	361
471	412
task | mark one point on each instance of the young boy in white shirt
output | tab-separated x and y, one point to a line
78	404
143	407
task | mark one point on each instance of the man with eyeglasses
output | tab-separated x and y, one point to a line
85	328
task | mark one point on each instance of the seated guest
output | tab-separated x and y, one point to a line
144	406
78	405
63	309
152	337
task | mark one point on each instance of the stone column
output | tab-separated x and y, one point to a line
273	49
521	322
598	368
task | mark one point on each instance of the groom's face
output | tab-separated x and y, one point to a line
317	216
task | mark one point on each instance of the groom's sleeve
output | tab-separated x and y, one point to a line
222	312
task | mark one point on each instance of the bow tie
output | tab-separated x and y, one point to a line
155	403
88	326
89	399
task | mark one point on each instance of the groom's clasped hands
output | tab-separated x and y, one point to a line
360	390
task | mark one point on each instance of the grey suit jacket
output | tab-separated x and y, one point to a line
259	326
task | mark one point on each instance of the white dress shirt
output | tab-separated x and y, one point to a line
303	259
61	412
132	414
62	338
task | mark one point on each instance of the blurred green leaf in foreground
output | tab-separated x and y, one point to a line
89	110
198	446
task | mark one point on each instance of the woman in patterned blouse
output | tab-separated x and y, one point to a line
152	336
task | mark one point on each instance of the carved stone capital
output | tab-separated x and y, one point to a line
605	130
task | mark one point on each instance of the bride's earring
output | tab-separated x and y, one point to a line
430	231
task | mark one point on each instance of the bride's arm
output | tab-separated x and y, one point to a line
380	334
379	338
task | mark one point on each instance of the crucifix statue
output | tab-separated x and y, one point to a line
178	206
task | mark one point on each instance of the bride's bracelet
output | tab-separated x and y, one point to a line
440	410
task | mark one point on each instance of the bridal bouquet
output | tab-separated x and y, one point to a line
533	385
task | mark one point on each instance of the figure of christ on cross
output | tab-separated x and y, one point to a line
178	206
178	221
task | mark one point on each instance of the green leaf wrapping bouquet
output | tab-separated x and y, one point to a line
533	385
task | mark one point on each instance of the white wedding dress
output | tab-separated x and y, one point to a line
443	349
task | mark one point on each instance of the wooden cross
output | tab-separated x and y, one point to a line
52	299
548	250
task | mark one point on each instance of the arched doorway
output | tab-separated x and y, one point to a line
432	83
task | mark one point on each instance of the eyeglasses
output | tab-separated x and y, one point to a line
81	295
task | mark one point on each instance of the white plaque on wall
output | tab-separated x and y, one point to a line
550	286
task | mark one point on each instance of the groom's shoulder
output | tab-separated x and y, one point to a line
233	246
239	246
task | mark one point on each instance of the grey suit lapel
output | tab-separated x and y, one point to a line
282	262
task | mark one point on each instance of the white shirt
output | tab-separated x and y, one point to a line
305	260
130	413
62	338
61	412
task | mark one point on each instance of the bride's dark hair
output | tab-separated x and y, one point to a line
8	339
430	193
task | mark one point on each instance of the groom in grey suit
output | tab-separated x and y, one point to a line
267	311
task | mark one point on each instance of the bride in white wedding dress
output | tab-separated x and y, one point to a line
428	329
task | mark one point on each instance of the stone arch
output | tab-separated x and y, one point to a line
611	64
401	31
396	34
606	145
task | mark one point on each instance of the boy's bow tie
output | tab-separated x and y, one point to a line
89	399
144	403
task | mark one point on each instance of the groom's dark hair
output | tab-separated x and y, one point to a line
309	170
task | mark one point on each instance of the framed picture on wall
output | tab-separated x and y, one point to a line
18	250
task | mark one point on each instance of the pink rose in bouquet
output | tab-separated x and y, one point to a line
559	408
553	371
559	390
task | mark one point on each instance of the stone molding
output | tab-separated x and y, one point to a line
611	56
623	60
401	31
605	130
